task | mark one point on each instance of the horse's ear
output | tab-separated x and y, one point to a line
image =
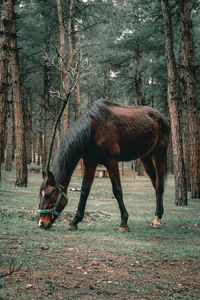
44	175
51	179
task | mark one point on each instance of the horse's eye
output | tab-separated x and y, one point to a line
48	195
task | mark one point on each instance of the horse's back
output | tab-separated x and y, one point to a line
128	133
131	113
138	119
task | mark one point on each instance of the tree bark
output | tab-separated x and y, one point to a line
28	131
61	57
138	80
39	144
65	66
76	76
4	55
21	165
173	103
189	74
62	35
183	108
59	116
46	121
61	63
10	131
34	147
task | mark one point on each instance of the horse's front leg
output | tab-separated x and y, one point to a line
88	176
113	171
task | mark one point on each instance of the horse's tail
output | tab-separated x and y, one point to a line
165	131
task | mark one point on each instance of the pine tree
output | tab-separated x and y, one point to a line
4	55
189	74
21	164
173	102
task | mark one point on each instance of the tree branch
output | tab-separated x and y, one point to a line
60	115
12	269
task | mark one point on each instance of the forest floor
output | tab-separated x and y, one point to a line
97	261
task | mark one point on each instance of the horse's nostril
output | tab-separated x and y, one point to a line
48	226
40	224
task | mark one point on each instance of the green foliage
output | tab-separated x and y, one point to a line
107	33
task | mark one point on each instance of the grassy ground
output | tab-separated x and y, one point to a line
96	261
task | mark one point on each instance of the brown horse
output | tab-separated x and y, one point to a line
105	134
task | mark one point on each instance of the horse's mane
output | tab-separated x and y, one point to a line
75	141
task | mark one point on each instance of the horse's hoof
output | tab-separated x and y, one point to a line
72	227
124	229
156	223
156	226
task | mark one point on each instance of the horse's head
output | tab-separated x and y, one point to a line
52	201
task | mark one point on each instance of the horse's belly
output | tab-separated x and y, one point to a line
125	151
125	143
133	153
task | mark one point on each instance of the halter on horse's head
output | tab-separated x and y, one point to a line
53	199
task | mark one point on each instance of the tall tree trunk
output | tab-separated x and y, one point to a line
173	103
62	36
10	131
39	144
61	63
170	167
4	55
69	39
21	165
77	97
61	58
188	61
29	135
77	89
105	87
65	67
34	147
183	108
138	80
46	122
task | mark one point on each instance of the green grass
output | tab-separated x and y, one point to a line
180	224
21	242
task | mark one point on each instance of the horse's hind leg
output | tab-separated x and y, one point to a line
113	171
89	172
149	168
154	165
159	158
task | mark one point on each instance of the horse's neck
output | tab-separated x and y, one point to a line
63	172
71	149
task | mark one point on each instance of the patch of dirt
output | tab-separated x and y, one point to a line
87	275
137	188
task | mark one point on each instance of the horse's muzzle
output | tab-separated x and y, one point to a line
42	225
